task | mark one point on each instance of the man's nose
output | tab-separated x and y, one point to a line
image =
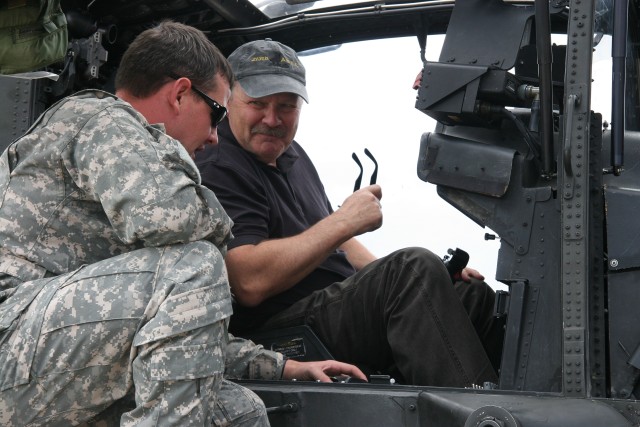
271	117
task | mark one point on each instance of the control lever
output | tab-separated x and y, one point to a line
455	262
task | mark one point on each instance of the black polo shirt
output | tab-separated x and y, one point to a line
267	202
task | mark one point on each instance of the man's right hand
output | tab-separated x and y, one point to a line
362	211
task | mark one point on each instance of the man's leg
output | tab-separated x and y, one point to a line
238	406
479	299
400	312
152	318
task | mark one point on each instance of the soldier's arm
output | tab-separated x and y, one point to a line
244	359
146	183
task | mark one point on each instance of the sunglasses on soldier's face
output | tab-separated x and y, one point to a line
218	112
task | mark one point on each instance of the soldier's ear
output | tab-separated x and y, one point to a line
177	92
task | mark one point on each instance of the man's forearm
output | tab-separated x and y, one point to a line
273	266
257	272
357	254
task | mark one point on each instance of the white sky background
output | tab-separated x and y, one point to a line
361	97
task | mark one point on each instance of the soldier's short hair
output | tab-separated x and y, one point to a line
166	50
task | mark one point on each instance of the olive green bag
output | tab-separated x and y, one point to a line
33	34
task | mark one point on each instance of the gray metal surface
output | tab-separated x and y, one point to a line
20	108
337	405
573	173
464	164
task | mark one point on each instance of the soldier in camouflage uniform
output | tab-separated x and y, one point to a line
112	277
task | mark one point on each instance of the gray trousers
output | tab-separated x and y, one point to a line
152	322
402	315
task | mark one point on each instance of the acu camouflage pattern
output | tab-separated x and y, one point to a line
112	274
93	180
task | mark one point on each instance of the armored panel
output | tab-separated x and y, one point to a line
624	318
515	410
623	230
486	32
307	404
463	164
526	220
622	206
19	107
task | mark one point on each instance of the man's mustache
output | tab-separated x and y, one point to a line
265	130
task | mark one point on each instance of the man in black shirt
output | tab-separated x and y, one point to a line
295	261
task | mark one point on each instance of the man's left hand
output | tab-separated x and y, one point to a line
468	273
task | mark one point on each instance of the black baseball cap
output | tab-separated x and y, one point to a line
265	67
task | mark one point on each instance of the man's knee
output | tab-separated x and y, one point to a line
191	292
475	291
192	261
422	261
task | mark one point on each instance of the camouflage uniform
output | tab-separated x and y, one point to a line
112	275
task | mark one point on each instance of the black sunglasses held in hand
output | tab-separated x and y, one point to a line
374	175
218	112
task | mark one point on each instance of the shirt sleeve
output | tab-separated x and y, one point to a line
147	184
247	360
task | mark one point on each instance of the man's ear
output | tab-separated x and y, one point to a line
177	92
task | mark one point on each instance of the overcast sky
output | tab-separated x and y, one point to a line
361	97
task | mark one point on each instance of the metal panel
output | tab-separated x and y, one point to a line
624	333
466	165
19	107
622	207
623	204
526	220
484	409
347	405
574	194
485	32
